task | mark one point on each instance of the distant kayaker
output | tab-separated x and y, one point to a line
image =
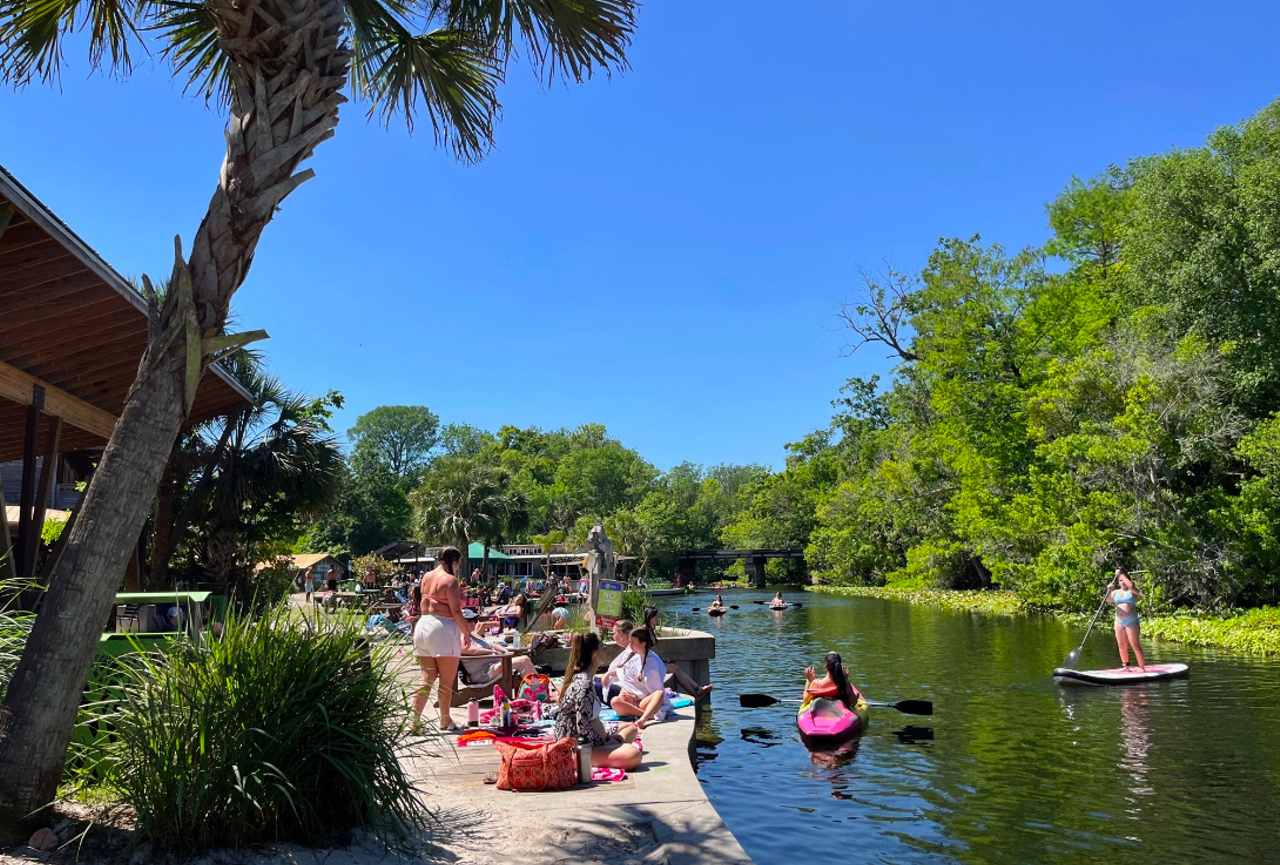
1124	595
777	603
834	685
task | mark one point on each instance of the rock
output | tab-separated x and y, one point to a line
43	839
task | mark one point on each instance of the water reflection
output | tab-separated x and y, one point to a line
1135	739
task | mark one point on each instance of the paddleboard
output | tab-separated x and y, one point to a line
1119	675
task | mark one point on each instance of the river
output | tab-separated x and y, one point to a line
1010	767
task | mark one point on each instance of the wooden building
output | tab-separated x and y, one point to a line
72	332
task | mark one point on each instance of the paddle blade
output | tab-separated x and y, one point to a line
733	606
756	701
907	707
796	604
696	609
1070	662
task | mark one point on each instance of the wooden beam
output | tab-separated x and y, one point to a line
17	385
6	216
26	496
47	472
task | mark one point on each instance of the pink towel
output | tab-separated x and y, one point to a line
608	773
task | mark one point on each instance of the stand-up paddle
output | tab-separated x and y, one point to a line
907	707
1074	657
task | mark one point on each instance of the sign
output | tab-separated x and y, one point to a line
609	608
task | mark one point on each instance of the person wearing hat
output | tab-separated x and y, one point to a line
484	669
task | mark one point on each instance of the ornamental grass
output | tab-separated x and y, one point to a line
279	731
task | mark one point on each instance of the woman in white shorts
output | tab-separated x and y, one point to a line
440	636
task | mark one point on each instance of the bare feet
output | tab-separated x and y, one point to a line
702	692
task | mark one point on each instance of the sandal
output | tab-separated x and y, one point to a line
491	779
453	727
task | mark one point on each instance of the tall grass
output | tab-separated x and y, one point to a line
15	627
276	732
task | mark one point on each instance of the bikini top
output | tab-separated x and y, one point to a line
1123	596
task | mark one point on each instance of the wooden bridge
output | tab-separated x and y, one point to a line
754	559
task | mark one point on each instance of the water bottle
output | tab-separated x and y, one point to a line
584	761
505	714
473	713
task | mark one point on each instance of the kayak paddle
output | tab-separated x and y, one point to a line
907	707
731	607
789	603
1070	662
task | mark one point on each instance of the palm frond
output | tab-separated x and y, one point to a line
447	72
567	39
32	32
190	37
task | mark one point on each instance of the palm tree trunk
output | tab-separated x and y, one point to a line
159	576
288	63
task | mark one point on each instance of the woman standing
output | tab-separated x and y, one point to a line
440	636
309	583
580	710
1128	628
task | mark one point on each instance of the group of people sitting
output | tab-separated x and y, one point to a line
634	684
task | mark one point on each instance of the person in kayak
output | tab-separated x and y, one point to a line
1124	595
834	685
777	603
717	604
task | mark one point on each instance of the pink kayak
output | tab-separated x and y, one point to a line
826	723
1120	675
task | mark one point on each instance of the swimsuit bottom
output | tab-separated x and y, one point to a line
1124	623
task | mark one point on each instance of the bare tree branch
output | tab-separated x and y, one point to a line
882	312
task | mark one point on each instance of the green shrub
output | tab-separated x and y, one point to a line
274	733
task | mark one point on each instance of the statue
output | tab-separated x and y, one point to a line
601	564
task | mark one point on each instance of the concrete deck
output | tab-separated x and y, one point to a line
662	800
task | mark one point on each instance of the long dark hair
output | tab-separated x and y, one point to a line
581	652
651	622
844	690
645	636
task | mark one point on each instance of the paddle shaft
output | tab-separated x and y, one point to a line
1072	658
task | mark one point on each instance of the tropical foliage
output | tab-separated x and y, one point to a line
1107	400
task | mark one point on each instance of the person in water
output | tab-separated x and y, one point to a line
717	604
835	685
1124	595
777	603
580	709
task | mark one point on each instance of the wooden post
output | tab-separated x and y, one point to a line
26	498
48	471
8	567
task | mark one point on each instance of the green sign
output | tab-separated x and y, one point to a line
609	606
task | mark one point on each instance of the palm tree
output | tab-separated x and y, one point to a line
281	68
463	500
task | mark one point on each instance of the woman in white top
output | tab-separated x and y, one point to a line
641	677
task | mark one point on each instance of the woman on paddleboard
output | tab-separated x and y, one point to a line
834	685
777	603
717	604
1124	595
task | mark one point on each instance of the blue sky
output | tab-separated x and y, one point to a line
661	253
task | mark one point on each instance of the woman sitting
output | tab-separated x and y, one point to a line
580	710
834	685
683	679
777	603
644	696
717	604
486	668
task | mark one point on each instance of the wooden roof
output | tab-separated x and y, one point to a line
70	321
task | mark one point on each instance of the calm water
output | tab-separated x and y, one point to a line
1010	768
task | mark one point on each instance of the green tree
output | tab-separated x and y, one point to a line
395	439
462	500
280	68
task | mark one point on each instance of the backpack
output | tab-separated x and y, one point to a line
536	686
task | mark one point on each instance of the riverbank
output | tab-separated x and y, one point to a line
1254	631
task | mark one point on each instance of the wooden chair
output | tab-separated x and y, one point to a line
464	693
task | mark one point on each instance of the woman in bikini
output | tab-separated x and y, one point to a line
1124	595
440	636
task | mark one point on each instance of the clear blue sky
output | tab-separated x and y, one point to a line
661	253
